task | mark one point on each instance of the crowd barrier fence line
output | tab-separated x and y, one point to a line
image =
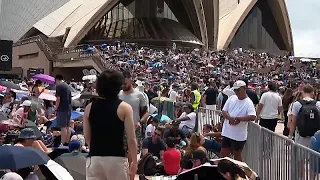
272	156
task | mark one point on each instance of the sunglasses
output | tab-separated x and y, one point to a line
157	134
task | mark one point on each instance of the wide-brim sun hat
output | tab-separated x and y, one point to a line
27	133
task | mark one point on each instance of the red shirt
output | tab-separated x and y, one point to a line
172	159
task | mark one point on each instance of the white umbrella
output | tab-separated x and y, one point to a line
58	171
46	96
90	77
76	96
307	60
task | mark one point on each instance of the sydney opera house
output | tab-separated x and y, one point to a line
55	43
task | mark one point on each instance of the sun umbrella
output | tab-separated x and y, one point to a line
203	172
3	116
58	152
76	103
158	64
19	96
89	77
88	95
45	78
2	88
76	115
161	99
47	96
10	85
76	165
53	170
77	96
16	157
163	117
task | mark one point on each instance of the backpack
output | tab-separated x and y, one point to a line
147	165
308	121
224	100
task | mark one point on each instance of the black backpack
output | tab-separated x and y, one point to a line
224	100
147	165
308	121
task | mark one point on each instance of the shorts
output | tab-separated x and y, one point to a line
63	119
107	167
138	137
231	144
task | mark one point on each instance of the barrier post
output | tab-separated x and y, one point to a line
294	172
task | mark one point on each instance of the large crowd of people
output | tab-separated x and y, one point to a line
124	132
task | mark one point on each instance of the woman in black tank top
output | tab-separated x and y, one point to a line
104	131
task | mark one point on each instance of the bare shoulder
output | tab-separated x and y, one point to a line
124	109
87	110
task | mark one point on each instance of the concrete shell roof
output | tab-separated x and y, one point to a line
75	15
232	14
18	16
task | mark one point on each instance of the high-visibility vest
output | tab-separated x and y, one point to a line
197	99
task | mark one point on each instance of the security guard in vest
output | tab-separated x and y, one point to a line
195	96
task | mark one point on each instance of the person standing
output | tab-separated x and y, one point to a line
63	108
305	117
269	108
105	122
237	111
210	96
286	101
195	96
138	103
173	93
252	94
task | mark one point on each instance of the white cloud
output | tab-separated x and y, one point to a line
304	15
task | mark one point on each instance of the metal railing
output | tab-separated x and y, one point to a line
272	156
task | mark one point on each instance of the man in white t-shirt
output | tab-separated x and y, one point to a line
151	127
187	119
237	111
269	108
173	94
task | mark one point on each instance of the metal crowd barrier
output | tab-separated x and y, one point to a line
272	156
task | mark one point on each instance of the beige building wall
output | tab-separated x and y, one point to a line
30	56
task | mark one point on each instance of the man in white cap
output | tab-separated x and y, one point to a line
22	112
237	111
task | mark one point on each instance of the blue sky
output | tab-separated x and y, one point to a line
304	16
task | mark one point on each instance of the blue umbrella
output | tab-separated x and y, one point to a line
132	61
104	45
20	95
158	64
163	117
90	49
17	157
74	115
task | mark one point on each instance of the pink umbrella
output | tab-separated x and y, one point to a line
45	78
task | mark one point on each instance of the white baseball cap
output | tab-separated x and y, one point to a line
26	103
238	84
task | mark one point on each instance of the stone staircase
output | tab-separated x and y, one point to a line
54	50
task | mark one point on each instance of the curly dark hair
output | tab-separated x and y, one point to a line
109	84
